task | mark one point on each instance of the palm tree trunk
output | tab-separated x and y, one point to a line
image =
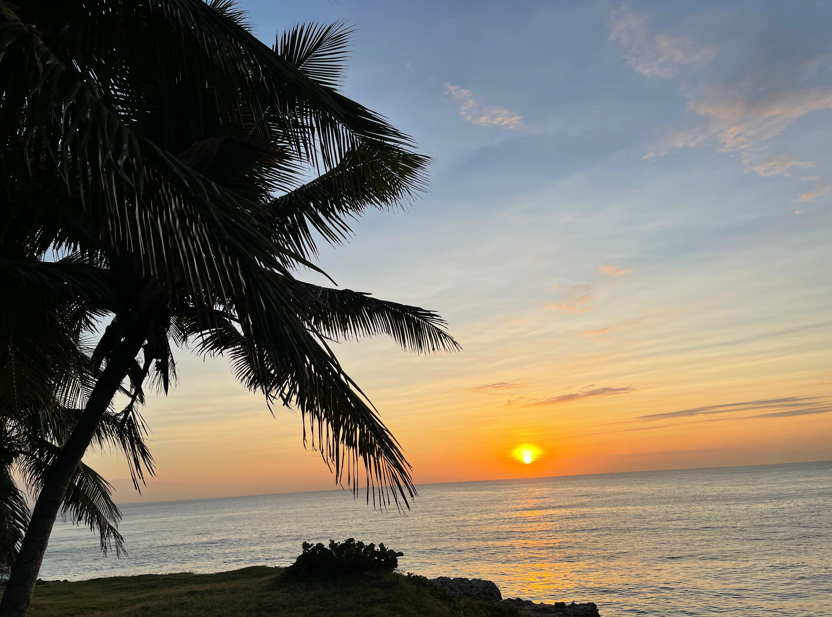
24	572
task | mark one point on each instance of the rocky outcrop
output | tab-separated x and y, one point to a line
480	589
470	587
558	608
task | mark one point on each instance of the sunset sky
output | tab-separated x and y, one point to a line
628	229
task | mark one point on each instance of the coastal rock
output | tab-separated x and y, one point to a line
470	587
486	590
558	608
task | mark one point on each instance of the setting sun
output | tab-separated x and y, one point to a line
526	453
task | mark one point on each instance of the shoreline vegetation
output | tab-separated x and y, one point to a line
263	590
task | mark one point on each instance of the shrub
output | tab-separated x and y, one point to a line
346	558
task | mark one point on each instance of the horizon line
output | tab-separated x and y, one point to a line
574	475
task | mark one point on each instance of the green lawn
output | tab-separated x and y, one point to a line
252	592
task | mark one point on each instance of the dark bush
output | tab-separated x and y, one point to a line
347	558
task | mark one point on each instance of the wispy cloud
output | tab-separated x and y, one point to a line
500	385
740	116
574	396
602	333
577	299
737	124
788	406
732	122
477	113
612	270
598	332
779	164
821	187
810	411
651	427
660	55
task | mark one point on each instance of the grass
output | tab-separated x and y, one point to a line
258	591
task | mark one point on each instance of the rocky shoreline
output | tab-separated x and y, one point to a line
481	589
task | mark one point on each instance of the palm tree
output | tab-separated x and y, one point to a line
155	160
43	379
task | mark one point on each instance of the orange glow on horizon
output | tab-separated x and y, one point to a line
210	453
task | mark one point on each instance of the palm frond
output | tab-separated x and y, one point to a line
248	165
155	206
39	359
68	280
271	350
347	314
215	58
14	516
127	431
372	175
231	10
318	50
88	501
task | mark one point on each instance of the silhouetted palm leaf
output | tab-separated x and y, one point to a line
318	50
14	514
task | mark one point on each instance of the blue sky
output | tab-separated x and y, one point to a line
629	215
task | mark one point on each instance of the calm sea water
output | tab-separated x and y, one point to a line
742	541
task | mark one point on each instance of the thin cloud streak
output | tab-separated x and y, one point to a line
623	430
792	403
500	385
796	412
567	398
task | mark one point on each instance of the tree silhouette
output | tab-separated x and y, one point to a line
164	172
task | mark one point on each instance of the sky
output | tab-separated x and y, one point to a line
627	229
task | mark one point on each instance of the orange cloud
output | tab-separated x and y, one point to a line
611	270
482	115
821	187
576	300
661	55
779	164
736	124
739	124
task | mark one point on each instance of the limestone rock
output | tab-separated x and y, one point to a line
486	590
558	608
470	587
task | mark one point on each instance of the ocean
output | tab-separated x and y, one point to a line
741	541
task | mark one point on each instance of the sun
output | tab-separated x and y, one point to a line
526	453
